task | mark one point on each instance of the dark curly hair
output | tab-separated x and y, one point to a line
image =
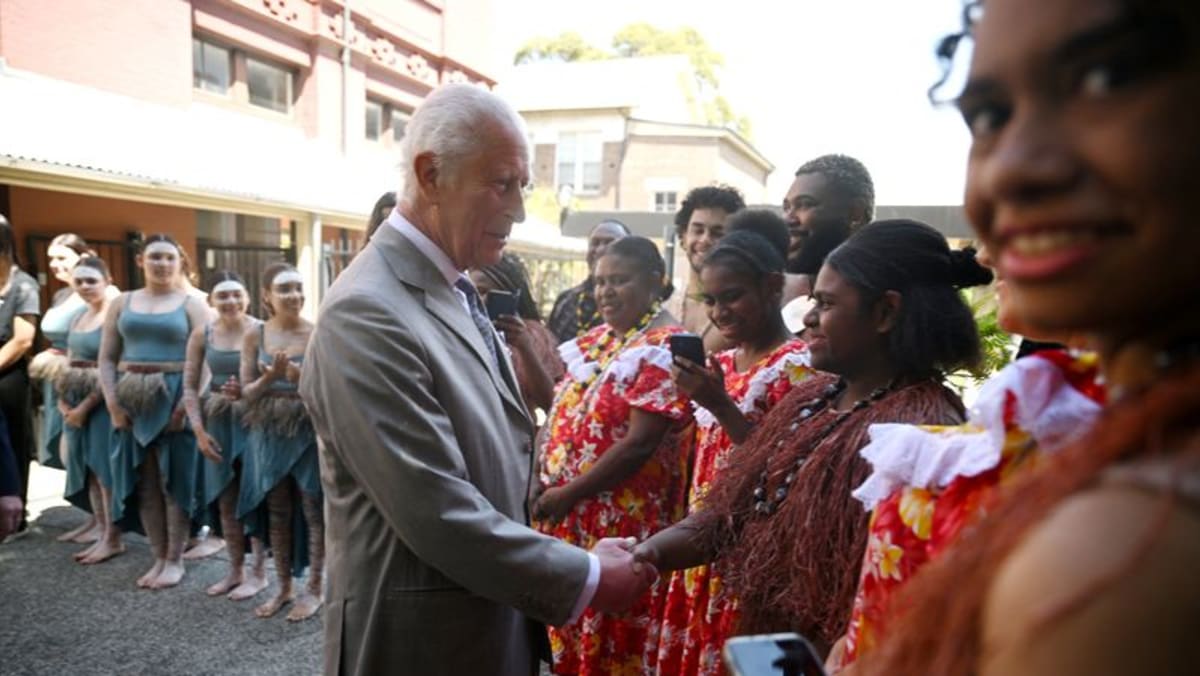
848	175
724	197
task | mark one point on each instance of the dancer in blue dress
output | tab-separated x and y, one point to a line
215	413
47	366
87	428
282	455
154	455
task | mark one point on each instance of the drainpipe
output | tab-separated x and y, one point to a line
347	25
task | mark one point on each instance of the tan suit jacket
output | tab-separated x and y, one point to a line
425	463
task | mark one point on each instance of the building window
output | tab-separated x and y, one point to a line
270	86
374	120
578	158
399	124
666	201
211	66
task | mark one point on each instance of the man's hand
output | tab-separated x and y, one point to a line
11	509
623	579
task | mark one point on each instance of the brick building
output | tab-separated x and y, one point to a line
248	129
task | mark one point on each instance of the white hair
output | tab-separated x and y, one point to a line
447	124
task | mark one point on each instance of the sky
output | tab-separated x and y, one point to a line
813	76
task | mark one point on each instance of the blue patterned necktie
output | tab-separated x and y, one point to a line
475	305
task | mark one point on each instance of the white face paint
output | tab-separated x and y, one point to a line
88	282
229	297
161	248
287	292
287	277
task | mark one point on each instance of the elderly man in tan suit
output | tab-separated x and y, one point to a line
427	445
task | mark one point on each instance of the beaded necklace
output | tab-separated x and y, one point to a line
766	504
582	326
609	346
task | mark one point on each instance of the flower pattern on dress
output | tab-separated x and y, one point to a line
583	425
914	524
700	614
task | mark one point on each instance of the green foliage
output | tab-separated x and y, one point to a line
995	342
568	46
643	39
542	203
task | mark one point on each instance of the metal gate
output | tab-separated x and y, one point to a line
120	256
247	261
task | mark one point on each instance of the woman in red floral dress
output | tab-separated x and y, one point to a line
742	280
611	464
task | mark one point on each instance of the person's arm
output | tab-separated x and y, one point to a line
255	380
1105	584
24	331
534	378
110	353
706	387
193	377
621	461
681	546
399	445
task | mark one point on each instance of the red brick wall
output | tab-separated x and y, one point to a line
139	48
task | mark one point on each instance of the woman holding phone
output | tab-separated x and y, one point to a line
611	463
741	281
781	523
534	358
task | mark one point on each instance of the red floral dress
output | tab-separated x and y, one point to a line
583	426
937	480
699	614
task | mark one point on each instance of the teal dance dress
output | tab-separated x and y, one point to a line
88	447
47	367
281	443
158	340
222	420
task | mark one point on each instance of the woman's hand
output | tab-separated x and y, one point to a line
120	417
208	446
232	388
293	373
552	505
515	333
705	386
278	367
63	408
75	417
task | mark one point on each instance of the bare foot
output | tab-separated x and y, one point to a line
307	603
70	535
231	580
274	605
103	551
172	573
147	580
82	554
92	534
250	587
204	548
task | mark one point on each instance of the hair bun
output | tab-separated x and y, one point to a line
965	270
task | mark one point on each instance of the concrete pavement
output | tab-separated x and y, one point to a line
58	617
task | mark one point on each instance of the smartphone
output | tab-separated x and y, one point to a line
770	654
500	303
689	346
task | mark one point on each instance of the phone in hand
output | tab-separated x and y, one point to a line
689	346
771	654
500	303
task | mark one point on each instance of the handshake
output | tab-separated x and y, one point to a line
627	570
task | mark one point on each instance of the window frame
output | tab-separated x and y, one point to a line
578	162
198	81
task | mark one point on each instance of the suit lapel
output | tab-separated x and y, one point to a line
414	268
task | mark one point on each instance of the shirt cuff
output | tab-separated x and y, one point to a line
589	588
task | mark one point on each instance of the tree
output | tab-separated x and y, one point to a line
568	46
643	39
